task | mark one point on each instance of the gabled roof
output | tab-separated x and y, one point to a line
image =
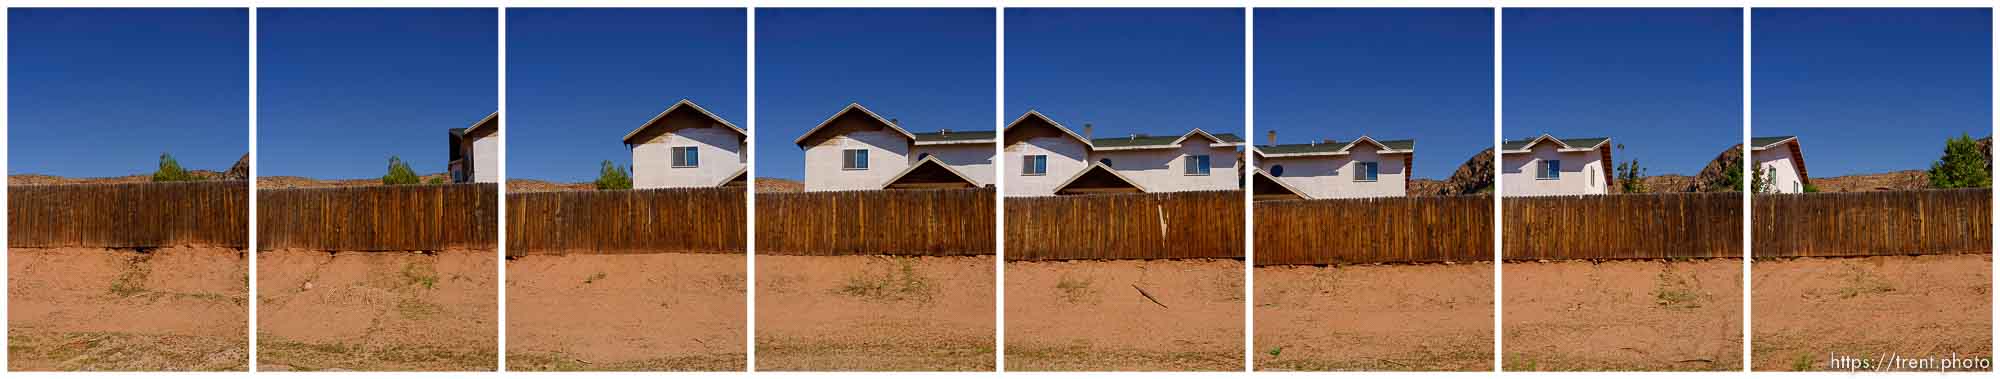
953	137
801	141
1761	143
683	103
485	125
1135	142
1099	178
1330	148
929	173
1263	186
1050	121
738	179
1562	144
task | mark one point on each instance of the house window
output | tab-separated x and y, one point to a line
854	159
1364	171
1550	170
1034	165
687	156
1105	161
1197	165
1796	187
1278	170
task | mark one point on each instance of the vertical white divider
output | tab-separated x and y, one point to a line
1746	165
1000	191
750	191
1249	161
1499	190
250	244
500	240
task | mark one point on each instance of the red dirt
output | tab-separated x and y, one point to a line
1375	318
779	185
875	313
533	185
1623	316
1088	316
377	311
643	312
278	182
170	309
1809	309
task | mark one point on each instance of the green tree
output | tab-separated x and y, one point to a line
1963	165
1765	181
1630	175
613	177
1731	180
170	170
399	173
437	180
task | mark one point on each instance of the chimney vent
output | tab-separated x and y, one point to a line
1271	137
1086	130
896	122
944	131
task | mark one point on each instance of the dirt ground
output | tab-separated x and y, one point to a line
1097	315
1681	315
638	312
875	313
167	309
377	311
1429	317
1807	310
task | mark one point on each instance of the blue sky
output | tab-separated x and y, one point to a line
1871	90
579	79
341	90
929	68
1666	83
1388	73
1152	71
102	92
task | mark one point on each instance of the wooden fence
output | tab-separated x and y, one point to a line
132	215
1375	230
1173	225
1624	226
898	222
694	220
1872	223
379	218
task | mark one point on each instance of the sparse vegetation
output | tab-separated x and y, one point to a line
1962	166
1630	175
422	276
902	283
613	177
1765	181
594	278
1075	291
399	173
1731	179
1675	291
171	171
437	180
1860	282
1803	362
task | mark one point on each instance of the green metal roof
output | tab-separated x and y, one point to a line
1132	141
954	135
1767	141
1572	142
1331	146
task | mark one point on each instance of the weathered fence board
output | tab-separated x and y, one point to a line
129	215
1624	226
692	220
900	222
1375	230
379	218
1872	223
1174	225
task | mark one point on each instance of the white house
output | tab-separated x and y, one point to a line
1051	159
1781	157
686	146
475	151
1364	167
1547	165
857	149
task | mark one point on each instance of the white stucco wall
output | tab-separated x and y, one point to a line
718	148
975	160
1164	170
1779	160
1066	158
1582	173
486	159
1332	177
888	154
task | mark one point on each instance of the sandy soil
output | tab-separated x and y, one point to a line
1430	317
167	309
1807	310
1623	316
1093	315
643	312
377	311
875	313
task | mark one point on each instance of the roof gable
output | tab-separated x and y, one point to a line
1562	144
1098	178
929	173
1138	141
679	106
484	127
740	179
1265	187
1761	143
1034	118
1333	148
852	107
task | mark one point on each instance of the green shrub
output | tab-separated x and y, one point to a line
613	177
170	171
1962	166
399	173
